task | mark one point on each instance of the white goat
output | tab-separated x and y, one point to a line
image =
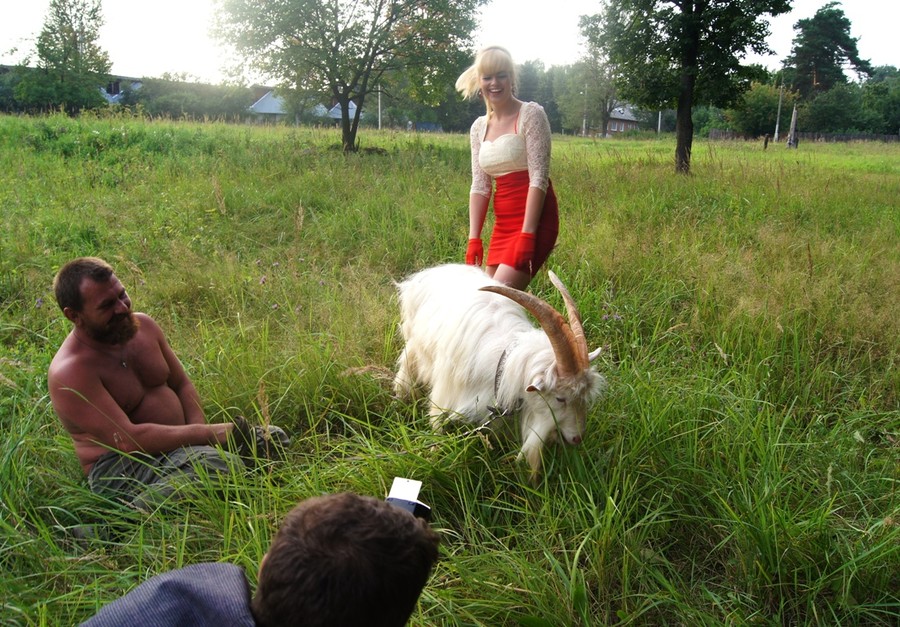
469	342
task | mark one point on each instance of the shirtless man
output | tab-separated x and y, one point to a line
134	416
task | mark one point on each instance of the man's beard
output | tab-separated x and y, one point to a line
119	330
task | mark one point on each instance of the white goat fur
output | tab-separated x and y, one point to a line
455	336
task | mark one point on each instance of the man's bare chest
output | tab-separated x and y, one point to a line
140	371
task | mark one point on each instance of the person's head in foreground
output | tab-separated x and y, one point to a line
345	559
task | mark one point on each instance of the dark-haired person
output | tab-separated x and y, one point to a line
339	560
134	416
511	162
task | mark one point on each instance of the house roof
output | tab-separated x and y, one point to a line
115	98
269	104
335	111
623	112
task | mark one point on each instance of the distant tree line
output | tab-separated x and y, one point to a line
175	97
868	107
579	98
815	78
70	64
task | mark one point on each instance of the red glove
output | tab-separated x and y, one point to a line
524	252
474	252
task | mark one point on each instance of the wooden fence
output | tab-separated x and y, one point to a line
810	137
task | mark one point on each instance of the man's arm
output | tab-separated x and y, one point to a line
91	415
178	379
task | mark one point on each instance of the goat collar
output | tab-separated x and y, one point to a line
496	410
501	365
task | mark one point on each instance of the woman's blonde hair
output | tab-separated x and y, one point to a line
488	61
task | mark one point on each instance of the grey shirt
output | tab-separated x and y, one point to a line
209	594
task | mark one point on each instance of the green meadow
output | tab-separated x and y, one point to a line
741	470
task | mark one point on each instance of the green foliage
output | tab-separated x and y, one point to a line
569	83
742	468
547	96
174	98
757	114
872	107
529	79
71	66
841	109
9	78
600	89
655	44
677	53
881	97
399	106
821	48
708	118
343	50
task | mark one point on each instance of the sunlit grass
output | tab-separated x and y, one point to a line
742	469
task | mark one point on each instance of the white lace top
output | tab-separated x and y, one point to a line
527	149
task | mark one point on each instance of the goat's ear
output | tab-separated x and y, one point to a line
536	386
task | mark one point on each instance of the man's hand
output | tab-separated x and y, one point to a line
253	442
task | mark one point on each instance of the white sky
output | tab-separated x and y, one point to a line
151	37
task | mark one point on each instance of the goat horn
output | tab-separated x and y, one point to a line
558	331
579	346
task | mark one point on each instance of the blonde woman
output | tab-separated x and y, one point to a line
511	160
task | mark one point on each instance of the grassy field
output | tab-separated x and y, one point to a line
742	469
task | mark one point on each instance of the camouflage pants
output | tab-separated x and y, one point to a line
147	481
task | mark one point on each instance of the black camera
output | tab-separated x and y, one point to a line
405	494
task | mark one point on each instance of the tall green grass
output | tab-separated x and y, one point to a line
741	470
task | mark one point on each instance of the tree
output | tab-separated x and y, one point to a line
587	96
71	66
399	108
600	78
537	84
529	79
881	94
705	119
756	113
346	47
839	110
548	99
568	84
177	96
676	52
821	49
9	79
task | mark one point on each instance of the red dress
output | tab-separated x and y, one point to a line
509	212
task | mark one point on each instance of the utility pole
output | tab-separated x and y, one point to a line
778	116
792	134
584	117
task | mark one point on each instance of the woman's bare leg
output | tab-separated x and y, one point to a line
510	276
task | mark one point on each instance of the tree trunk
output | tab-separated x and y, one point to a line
348	128
604	123
684	124
690	52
